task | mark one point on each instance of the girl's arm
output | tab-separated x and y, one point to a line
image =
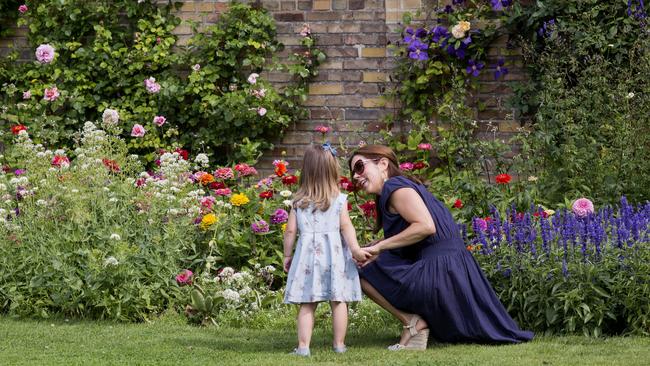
289	239
350	235
408	204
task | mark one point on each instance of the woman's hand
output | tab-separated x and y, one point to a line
286	263
373	252
360	255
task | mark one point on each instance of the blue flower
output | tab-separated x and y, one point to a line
499	69
474	68
418	50
439	32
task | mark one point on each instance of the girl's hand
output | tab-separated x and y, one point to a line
287	263
373	252
360	255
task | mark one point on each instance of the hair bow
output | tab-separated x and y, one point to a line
328	147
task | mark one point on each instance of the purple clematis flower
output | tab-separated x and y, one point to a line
439	32
418	50
474	68
499	5
499	69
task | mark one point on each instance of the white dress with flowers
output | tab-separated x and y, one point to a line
322	268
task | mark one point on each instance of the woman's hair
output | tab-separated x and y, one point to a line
377	152
319	179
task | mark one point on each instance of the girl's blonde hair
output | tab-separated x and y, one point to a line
319	179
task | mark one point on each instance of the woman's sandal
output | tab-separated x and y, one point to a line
418	340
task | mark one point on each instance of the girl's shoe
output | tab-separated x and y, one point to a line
341	349
418	340
301	352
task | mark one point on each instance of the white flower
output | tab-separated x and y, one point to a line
230	295
252	78
532	178
112	199
41	203
110	117
116	237
285	194
630	95
202	160
3	187
227	272
111	261
287	203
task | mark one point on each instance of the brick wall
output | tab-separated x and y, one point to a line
347	94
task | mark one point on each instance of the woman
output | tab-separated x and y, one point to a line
421	272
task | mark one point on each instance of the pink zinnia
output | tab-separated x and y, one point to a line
407	166
259	227
23	9
322	129
51	94
152	86
45	53
184	278
159	120
138	131
224	173
424	146
245	170
207	202
582	207
222	192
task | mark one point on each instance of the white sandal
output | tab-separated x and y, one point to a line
418	340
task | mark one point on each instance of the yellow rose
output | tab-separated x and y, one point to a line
239	199
207	221
459	30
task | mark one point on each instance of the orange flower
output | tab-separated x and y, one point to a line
206	179
470	248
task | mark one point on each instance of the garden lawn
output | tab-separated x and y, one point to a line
170	342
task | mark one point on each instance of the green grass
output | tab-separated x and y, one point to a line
171	342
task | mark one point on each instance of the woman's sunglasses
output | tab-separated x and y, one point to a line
360	166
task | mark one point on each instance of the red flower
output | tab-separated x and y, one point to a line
183	153
111	165
419	165
349	206
543	214
289	180
6	168
15	129
59	160
503	179
266	194
458	204
346	184
217	185
369	209
280	169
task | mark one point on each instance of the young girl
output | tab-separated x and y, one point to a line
322	267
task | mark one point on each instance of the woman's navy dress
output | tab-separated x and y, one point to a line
439	279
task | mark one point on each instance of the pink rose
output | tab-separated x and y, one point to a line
137	131
23	9
424	146
582	207
261	111
45	53
305	31
159	120
51	94
184	278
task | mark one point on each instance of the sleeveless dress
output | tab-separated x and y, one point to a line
322	267
439	279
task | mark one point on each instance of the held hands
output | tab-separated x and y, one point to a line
367	254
